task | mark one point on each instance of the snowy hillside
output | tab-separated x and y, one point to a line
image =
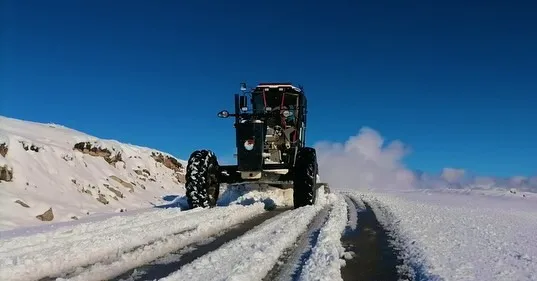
50	173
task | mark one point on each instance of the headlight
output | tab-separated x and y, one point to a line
287	113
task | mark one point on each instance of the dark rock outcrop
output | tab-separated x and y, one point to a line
46	216
28	146
170	163
3	149
6	173
89	148
22	204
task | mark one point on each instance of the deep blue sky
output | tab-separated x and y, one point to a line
455	81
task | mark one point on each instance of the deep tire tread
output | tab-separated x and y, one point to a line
305	177
202	186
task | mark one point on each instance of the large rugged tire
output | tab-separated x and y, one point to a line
202	186
305	177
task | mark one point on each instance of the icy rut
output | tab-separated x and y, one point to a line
110	241
370	244
171	262
251	256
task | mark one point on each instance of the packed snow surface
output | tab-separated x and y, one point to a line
251	256
450	235
325	261
115	240
50	174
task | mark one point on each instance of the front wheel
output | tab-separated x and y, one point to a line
305	177
202	186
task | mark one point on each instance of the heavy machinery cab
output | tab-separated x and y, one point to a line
270	129
283	107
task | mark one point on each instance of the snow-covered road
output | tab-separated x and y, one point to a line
114	241
435	235
461	235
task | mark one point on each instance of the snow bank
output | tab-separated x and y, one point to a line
325	260
461	237
248	194
115	241
49	172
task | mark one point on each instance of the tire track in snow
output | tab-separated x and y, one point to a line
374	257
171	262
105	254
325	261
352	214
252	255
290	263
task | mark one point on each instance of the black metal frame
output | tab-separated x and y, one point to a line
229	173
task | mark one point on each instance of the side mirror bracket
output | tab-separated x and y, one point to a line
223	114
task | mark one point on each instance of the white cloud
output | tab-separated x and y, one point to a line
364	162
452	175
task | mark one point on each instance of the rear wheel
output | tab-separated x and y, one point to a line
202	186
305	177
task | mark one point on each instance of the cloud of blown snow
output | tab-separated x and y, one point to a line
452	175
366	161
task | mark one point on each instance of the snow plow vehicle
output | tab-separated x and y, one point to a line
270	126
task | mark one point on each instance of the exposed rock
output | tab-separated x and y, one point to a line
46	216
74	218
169	162
102	199
89	148
22	204
6	173
68	157
122	182
143	172
3	149
28	146
115	191
180	178
114	159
